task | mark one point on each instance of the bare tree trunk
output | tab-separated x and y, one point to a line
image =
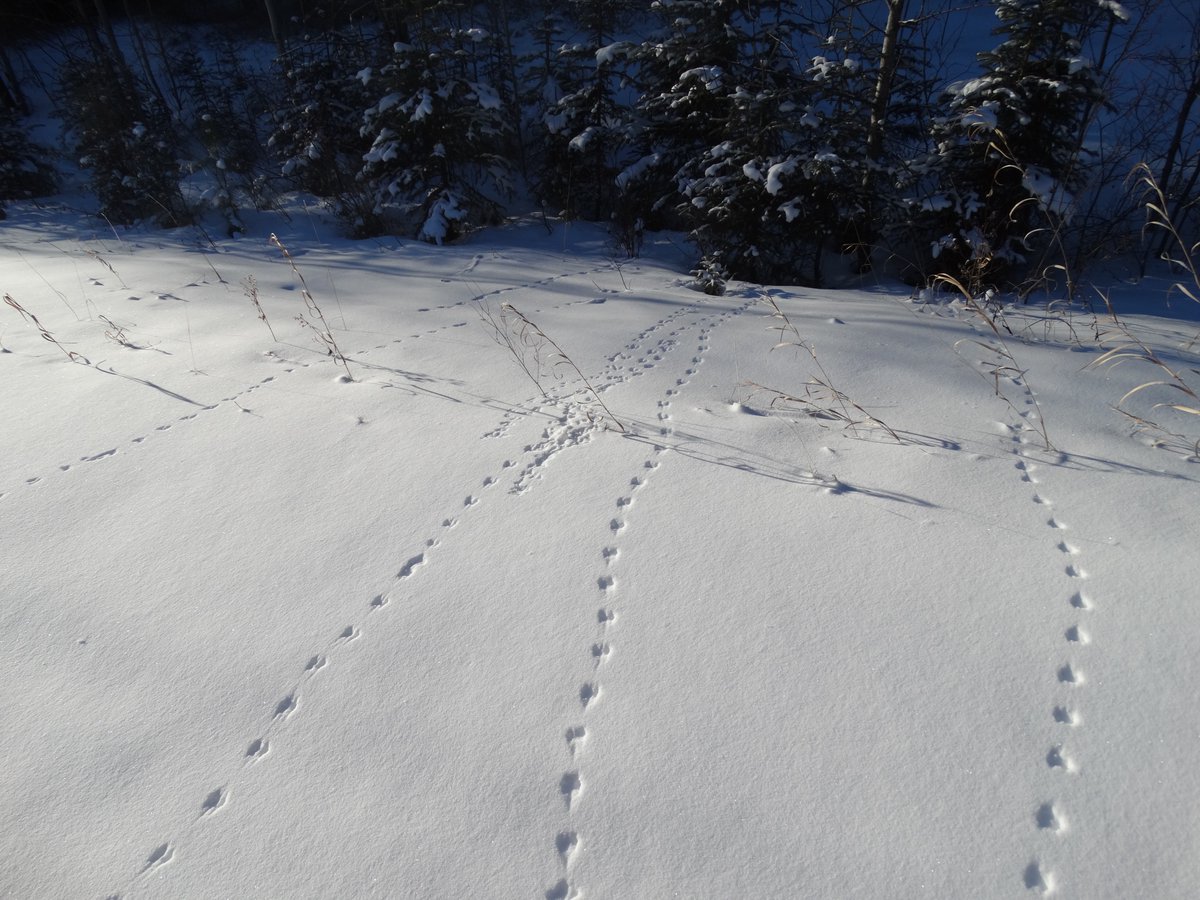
889	62
118	58
273	17
1172	154
144	58
11	95
1175	152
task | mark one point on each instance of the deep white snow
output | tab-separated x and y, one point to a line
267	631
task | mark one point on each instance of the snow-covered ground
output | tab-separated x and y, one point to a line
269	631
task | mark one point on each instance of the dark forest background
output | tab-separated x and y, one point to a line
1003	143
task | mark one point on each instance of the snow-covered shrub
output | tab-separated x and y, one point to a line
24	171
1009	150
220	113
316	139
709	276
439	130
444	218
584	123
124	138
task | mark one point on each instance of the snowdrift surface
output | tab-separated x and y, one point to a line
270	632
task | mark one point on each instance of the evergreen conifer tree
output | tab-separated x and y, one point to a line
124	138
684	70
24	171
1008	153
316	139
584	122
441	131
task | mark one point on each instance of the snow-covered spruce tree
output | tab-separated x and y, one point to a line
24	171
125	139
1009	154
316	138
584	123
874	109
758	141
219	124
824	184
741	215
547	26
440	131
682	76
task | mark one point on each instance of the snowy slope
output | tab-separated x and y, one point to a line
267	631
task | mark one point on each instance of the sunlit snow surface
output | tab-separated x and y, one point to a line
425	632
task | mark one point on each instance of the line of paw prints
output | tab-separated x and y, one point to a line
633	361
499	292
572	785
613	373
703	342
1050	817
291	701
572	428
141	439
427	332
291	366
641	354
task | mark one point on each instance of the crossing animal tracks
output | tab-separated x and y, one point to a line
291	365
648	350
379	609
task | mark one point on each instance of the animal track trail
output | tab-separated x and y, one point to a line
141	439
647	350
288	707
287	712
524	286
1070	684
478	298
606	586
572	428
623	365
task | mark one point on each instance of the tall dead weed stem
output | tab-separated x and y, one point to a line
818	397
315	320
43	331
1182	382
537	354
999	364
